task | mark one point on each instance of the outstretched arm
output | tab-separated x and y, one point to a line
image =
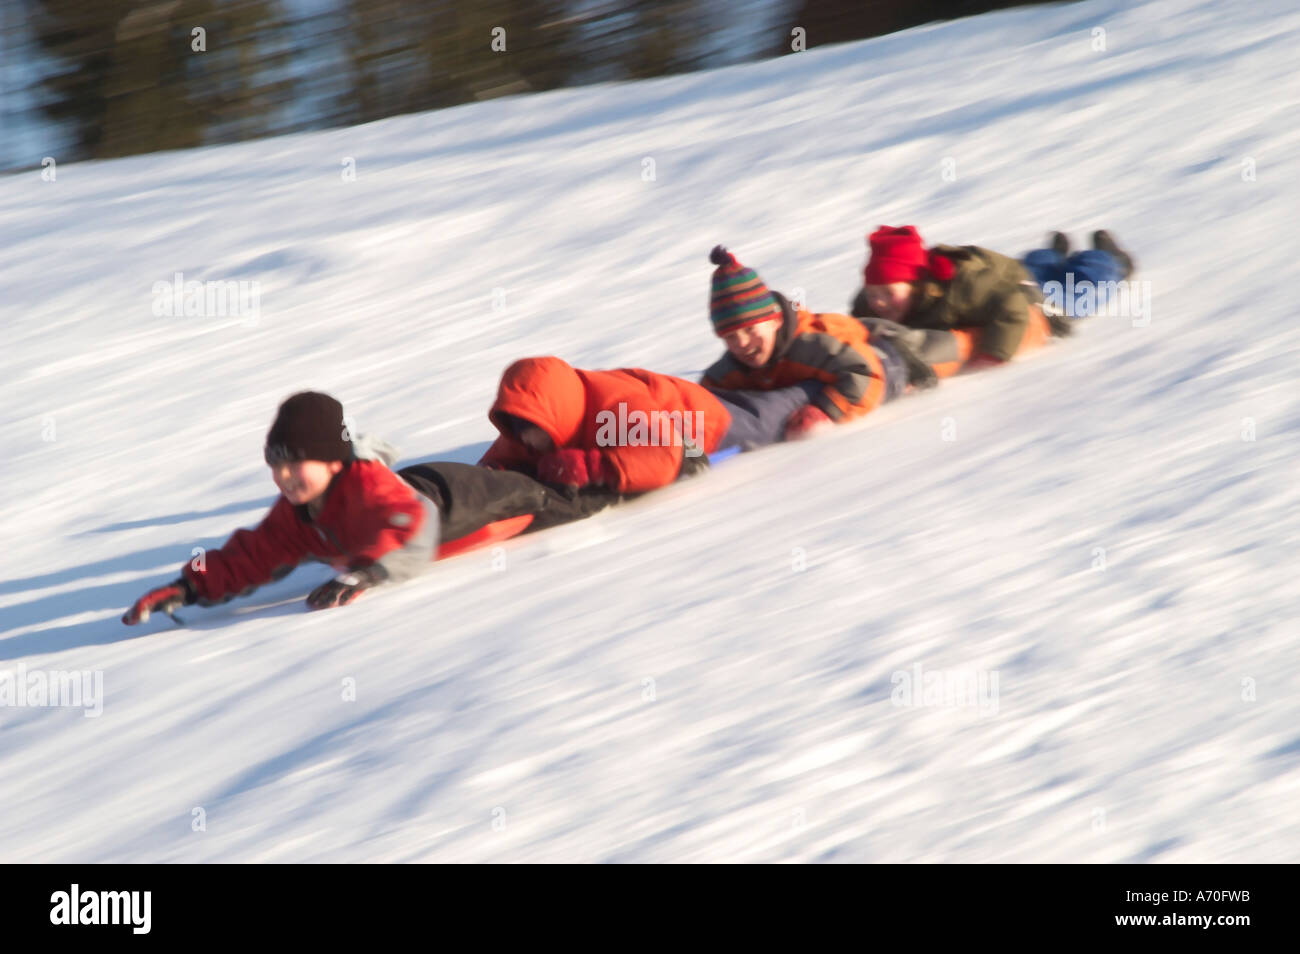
249	559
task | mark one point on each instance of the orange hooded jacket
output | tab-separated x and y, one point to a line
637	419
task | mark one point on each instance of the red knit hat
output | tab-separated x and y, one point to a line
897	255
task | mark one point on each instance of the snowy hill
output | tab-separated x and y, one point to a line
1105	532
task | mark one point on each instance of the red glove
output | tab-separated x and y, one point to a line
806	422
165	599
572	467
982	361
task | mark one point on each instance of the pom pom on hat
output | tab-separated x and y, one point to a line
941	267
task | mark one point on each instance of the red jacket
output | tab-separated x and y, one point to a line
601	410
369	513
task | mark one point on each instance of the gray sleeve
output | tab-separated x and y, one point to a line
717	372
419	552
851	368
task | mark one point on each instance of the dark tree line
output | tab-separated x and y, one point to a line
127	76
836	21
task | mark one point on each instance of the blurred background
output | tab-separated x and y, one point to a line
92	79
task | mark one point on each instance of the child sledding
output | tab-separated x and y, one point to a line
979	308
572	427
832	366
372	524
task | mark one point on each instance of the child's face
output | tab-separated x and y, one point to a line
529	434
534	438
753	344
302	481
891	302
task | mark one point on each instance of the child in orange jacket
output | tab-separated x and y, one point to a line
617	432
773	345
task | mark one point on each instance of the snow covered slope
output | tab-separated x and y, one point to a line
1107	529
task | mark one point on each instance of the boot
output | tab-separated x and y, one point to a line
1103	241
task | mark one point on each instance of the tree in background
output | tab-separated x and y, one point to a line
640	39
410	55
130	76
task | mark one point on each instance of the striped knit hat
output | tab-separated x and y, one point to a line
738	297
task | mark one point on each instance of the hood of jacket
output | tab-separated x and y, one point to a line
547	392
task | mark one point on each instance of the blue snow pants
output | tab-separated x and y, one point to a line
1089	267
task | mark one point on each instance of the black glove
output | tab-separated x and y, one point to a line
694	460
346	587
907	342
165	599
1060	325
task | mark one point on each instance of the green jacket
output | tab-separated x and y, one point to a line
988	290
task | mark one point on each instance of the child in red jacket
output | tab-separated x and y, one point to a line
371	524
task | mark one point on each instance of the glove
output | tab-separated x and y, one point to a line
1057	321
981	361
346	587
909	344
165	599
572	467
896	332
806	422
1059	324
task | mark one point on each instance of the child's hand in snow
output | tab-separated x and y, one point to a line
981	362
806	422
345	587
165	599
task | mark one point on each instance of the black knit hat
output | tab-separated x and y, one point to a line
309	426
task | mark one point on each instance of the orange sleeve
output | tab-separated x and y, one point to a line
639	469
647	458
